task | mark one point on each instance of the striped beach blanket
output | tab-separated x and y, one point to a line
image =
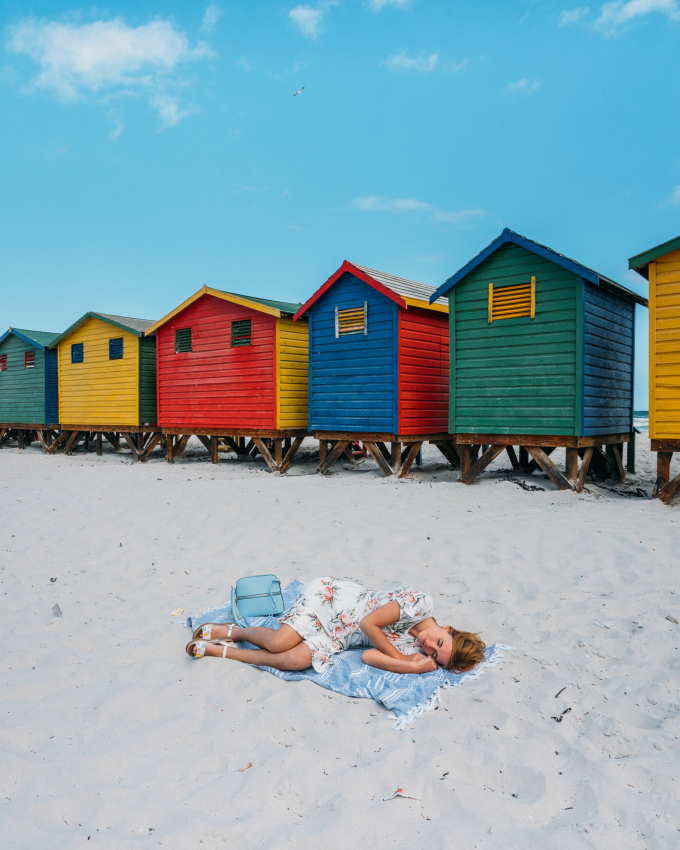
406	694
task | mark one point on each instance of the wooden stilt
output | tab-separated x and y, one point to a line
332	456
617	449
99	443
22	437
553	473
533	465
113	439
523	459
131	445
585	466
170	442
630	454
43	441
72	441
323	453
379	457
264	451
480	465
205	440
513	458
466	457
213	449
290	454
60	439
663	471
395	457
408	461
181	445
572	464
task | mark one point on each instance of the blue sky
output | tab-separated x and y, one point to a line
149	148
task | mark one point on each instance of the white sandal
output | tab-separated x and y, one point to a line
204	632
200	646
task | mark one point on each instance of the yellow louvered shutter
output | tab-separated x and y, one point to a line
512	302
351	321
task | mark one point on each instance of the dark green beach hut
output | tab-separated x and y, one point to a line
28	385
541	356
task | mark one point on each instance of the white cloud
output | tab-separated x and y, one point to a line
618	13
526	85
307	20
401	62
570	16
376	203
107	59
379	5
211	17
675	195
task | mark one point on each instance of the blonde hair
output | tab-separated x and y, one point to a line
467	650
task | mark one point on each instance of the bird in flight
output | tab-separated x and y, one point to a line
299	91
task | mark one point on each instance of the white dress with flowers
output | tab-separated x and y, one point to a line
328	611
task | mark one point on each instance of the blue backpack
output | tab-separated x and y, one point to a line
256	596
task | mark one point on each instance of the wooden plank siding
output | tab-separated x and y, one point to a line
293	373
147	380
517	375
99	391
423	371
608	362
664	360
22	391
215	385
353	379
51	386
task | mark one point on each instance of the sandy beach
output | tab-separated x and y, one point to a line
112	737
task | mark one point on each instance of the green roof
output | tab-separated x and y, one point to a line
283	306
43	337
641	262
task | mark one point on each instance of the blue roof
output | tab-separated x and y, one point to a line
559	259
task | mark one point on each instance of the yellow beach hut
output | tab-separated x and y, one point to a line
661	267
107	383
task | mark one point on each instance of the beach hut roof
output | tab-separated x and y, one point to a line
559	259
263	305
640	263
40	339
139	327
406	293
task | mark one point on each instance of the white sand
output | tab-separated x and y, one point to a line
110	731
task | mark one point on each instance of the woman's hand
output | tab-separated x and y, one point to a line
371	627
416	663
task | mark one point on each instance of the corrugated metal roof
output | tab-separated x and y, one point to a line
403	286
43	337
133	324
283	306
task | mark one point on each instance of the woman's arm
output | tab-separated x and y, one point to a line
372	622
415	663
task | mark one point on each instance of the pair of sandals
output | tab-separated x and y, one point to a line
197	646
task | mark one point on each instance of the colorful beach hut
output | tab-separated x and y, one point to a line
542	356
233	368
661	267
378	368
107	383
28	387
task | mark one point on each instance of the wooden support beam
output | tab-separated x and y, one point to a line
669	491
617	449
523	459
235	444
383	448
181	445
213	449
572	465
278	452
480	465
3	433
585	466
131	445
450	452
533	466
630	454
112	438
43	441
60	439
333	455
22	437
663	471
378	457
99	443
290	454
150	446
72	441
513	458
205	440
407	463
170	448
348	454
264	451
553	473
323	453
601	464
395	457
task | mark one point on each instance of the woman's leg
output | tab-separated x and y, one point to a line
297	658
273	640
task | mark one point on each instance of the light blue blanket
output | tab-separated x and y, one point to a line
406	694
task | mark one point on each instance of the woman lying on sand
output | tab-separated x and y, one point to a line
331	615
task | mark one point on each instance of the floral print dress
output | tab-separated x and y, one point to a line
328	611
